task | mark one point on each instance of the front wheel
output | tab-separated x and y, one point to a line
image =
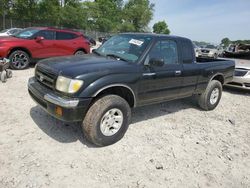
19	60
211	97
107	120
79	53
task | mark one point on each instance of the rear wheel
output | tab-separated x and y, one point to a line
211	97
19	60
107	120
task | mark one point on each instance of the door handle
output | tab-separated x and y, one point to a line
178	72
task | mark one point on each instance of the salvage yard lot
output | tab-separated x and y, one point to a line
173	144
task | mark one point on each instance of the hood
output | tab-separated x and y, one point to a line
75	66
10	39
241	63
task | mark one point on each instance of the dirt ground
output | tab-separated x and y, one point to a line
174	144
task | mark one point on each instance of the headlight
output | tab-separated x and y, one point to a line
68	85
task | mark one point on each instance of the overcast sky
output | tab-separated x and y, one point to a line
209	20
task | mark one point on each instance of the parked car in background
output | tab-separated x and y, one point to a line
104	39
241	77
241	51
91	40
9	32
209	51
197	50
41	42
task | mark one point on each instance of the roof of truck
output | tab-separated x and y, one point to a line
157	35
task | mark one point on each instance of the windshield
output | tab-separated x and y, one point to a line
211	47
3	31
27	33
126	47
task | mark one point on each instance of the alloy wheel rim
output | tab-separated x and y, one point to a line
79	53
214	96
19	60
111	122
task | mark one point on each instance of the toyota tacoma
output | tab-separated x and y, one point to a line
127	71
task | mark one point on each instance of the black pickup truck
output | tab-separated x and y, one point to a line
127	71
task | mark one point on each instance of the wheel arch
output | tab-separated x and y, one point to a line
20	48
121	90
81	49
219	77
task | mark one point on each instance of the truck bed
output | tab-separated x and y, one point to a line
207	60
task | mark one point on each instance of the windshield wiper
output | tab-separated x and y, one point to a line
116	57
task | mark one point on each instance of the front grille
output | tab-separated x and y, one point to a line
45	77
240	72
205	51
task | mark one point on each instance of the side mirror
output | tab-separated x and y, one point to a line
39	38
156	62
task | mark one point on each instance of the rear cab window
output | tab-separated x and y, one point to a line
187	52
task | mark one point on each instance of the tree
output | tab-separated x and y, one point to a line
104	15
138	13
225	42
101	15
161	28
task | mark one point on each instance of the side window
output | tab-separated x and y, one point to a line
47	34
187	52
65	36
166	50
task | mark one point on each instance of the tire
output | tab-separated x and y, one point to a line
79	53
97	116
211	97
9	73
215	56
3	76
19	60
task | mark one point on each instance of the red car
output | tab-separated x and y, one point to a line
37	43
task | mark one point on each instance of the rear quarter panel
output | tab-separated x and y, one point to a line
212	69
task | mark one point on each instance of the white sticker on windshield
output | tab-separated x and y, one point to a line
136	42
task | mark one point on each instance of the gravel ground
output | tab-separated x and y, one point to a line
173	144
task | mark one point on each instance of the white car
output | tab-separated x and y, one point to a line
241	75
197	50
9	32
209	51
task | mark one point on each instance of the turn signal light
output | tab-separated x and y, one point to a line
59	111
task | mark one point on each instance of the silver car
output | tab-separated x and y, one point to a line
242	75
210	51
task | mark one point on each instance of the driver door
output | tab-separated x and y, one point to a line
160	83
44	48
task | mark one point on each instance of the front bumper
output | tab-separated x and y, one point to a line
3	52
240	82
71	109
